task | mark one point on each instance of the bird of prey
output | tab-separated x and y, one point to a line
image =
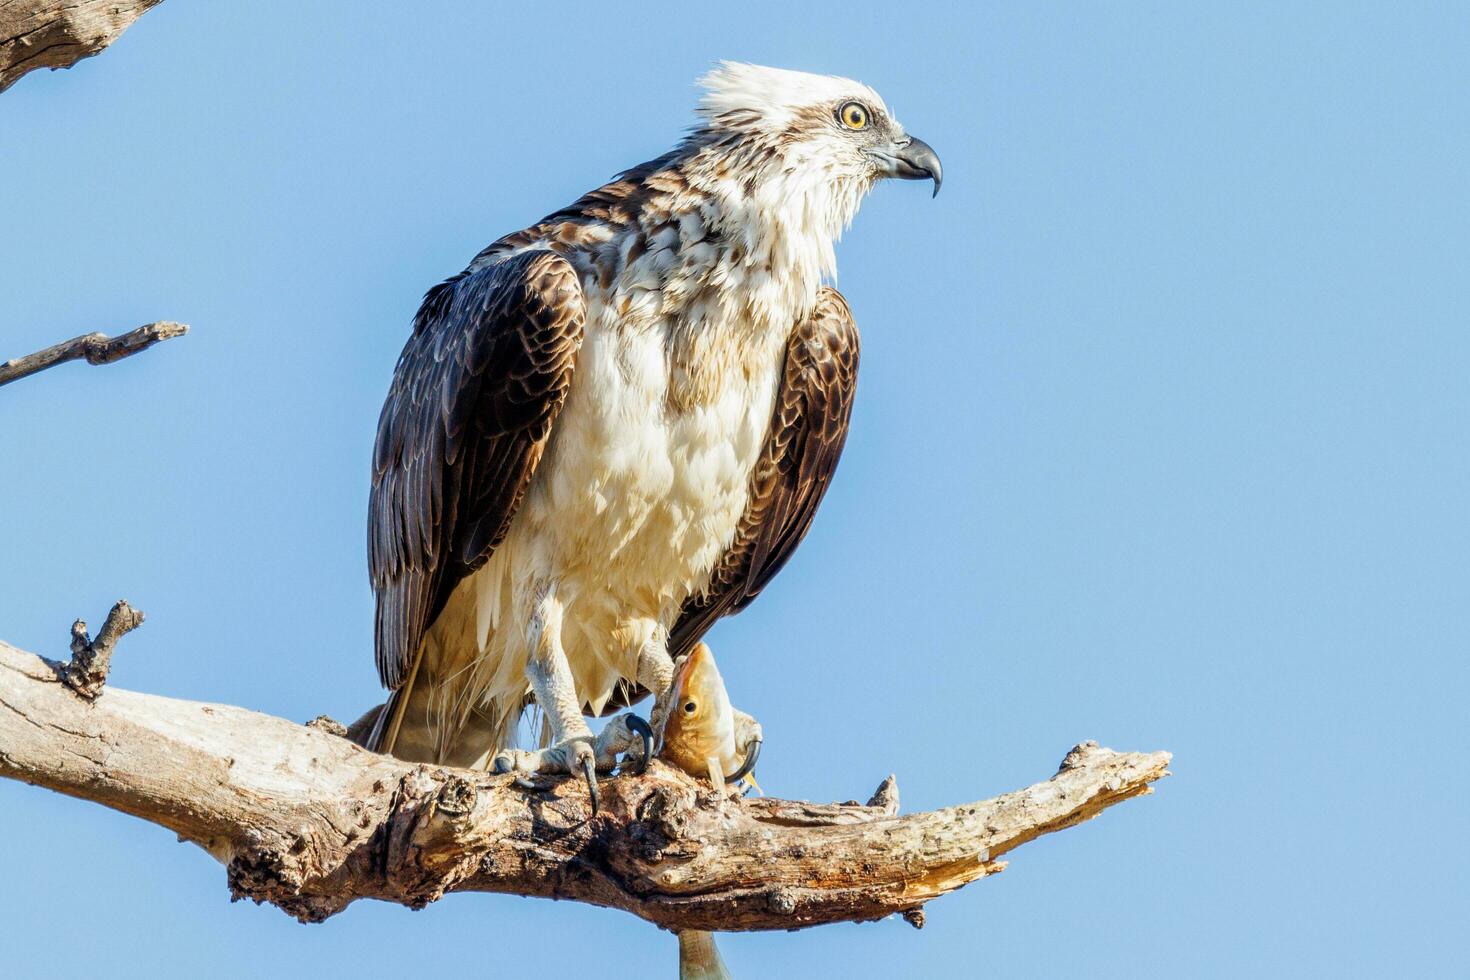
615	426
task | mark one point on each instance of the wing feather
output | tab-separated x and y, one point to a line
808	429
471	406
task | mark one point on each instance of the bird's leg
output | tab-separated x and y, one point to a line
555	691
655	671
573	748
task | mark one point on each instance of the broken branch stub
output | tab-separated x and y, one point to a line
92	659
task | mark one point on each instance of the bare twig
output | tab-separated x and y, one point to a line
92	659
310	822
59	33
96	348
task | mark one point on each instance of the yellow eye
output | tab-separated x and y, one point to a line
854	115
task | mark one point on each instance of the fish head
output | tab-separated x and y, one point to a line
700	724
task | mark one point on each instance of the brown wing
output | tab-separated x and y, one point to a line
808	428
473	399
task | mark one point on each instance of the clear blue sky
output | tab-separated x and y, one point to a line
1161	439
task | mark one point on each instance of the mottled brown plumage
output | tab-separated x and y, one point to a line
473	399
808	429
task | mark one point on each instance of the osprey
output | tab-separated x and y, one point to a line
615	426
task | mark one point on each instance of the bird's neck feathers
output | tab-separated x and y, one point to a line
776	195
722	213
746	211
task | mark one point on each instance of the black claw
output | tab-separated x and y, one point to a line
752	753
645	732
589	772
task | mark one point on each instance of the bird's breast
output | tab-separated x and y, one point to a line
647	472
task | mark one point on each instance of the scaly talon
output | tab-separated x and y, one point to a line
574	756
748	734
589	773
752	753
644	731
585	755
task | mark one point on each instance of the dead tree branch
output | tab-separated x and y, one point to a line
91	659
59	33
96	348
310	822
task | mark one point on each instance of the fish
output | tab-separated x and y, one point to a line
699	737
699	726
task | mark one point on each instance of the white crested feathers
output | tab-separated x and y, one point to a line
774	96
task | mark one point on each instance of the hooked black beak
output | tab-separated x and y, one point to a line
912	159
752	753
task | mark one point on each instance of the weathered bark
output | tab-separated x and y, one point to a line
59	33
96	348
310	822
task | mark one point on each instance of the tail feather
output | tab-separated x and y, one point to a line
361	730
408	726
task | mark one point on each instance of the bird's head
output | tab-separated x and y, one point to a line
828	128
